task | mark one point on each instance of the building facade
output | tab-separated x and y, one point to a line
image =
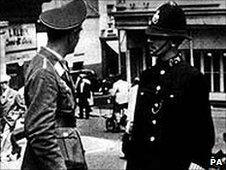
87	54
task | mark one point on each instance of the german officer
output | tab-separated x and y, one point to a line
172	128
49	94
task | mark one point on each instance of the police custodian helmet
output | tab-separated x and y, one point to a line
65	18
168	21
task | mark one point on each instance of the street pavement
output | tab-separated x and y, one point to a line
103	149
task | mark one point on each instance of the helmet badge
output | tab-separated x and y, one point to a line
155	17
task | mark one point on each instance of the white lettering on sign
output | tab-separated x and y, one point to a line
21	37
20	57
216	162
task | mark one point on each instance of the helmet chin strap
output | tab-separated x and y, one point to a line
158	50
162	56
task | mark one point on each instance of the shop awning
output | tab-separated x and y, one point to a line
114	45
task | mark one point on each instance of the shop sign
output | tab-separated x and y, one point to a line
20	37
20	57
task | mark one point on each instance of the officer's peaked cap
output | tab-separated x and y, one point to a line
168	21
66	17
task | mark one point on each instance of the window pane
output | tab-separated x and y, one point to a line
224	65
216	71
207	63
197	56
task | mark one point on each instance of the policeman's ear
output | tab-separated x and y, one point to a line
176	42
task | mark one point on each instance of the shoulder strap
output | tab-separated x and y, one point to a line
60	70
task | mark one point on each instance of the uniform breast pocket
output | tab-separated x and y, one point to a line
71	148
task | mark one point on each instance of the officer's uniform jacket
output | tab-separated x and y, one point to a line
172	122
50	108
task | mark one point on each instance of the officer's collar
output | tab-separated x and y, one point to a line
54	53
53	56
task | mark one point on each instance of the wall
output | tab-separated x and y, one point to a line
103	12
210	39
207	38
153	4
89	42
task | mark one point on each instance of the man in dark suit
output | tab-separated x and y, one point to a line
84	93
172	126
50	124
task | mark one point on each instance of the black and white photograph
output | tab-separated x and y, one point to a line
113	84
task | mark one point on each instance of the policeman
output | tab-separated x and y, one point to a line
172	128
49	94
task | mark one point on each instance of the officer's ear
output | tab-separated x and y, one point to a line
74	34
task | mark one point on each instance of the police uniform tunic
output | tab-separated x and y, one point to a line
172	122
50	116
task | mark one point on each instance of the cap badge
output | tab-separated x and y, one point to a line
155	17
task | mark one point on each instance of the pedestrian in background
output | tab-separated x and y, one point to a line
131	103
120	91
7	98
172	127
120	94
130	116
53	142
11	108
84	94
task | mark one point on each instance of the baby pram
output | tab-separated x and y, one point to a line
118	119
115	119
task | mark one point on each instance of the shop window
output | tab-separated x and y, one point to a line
212	63
224	68
197	59
136	62
216	71
207	68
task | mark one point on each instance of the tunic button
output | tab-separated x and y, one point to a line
154	122
152	139
162	72
156	104
158	88
141	93
171	96
65	134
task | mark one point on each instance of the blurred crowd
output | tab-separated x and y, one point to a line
12	109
